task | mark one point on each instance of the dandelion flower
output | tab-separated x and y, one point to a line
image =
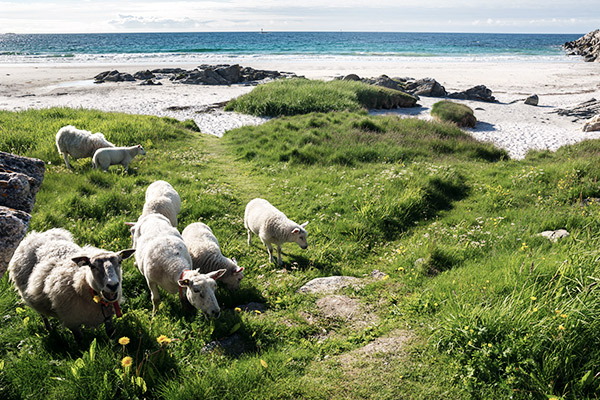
126	362
561	328
535	309
96	299
124	341
257	312
237	309
563	315
489	345
533	298
163	339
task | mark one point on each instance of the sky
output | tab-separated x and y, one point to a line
490	16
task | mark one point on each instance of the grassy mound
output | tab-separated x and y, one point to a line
477	303
449	111
303	96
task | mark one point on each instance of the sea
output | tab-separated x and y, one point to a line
233	47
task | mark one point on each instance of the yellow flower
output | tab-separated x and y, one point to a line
535	309
126	362
533	298
97	299
257	312
489	345
237	309
124	341
561	328
563	315
163	339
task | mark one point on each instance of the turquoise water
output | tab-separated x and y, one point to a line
135	47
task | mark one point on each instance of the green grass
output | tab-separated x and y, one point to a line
490	310
303	96
448	111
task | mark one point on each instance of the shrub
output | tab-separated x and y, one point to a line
448	111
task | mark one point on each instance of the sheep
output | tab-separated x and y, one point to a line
163	199
57	278
272	227
164	260
77	143
105	157
206	254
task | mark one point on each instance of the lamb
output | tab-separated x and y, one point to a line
77	143
57	278
206	254
164	260
161	198
105	157
272	227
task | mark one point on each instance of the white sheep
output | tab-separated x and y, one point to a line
163	199
272	227
164	260
57	278
105	157
206	254
78	143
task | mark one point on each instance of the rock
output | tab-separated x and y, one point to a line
13	227
233	345
553	236
231	73
150	82
329	285
335	306
427	87
168	71
144	75
377	274
113	76
351	77
476	93
385	81
587	46
20	180
584	110
532	100
592	125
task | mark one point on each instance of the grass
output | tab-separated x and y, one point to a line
484	307
448	111
302	96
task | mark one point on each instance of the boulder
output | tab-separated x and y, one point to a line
553	236
231	73
427	87
113	76
150	82
351	77
587	46
20	180
329	285
385	81
585	110
532	100
593	124
144	75
476	93
168	70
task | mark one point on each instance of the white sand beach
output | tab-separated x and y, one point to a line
515	127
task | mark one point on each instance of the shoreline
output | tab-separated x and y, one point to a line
515	127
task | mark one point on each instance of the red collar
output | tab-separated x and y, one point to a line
98	299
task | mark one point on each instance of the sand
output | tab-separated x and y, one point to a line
516	127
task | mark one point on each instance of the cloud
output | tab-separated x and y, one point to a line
131	22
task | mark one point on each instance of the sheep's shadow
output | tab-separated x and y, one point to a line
303	263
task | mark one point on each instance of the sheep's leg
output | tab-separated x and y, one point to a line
77	334
249	237
110	329
154	295
279	255
46	323
67	160
270	250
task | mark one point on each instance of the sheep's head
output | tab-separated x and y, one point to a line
201	290
105	272
299	235
140	149
232	280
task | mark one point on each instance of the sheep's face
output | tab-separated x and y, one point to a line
201	291
105	273
141	149
232	281
300	236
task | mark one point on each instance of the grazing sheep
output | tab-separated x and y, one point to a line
164	260
79	143
272	227
206	254
57	278
161	198
104	158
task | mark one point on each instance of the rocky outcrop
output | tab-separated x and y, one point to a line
587	46
585	110
427	87
476	93
592	125
20	180
554	236
222	74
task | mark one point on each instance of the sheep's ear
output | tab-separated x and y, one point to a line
81	261
239	270
234	260
184	282
125	254
216	274
304	224
296	230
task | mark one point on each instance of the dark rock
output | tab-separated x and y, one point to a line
233	345
351	77
231	73
150	82
144	75
477	93
114	76
587	46
20	180
585	110
532	100
168	71
427	87
385	81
